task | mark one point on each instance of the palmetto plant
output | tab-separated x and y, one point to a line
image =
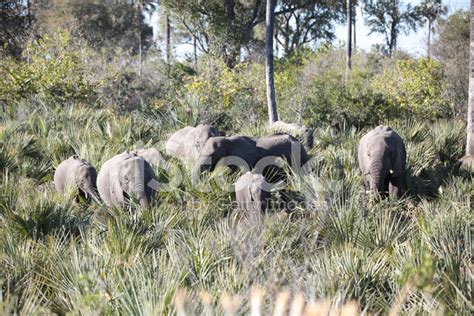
336	246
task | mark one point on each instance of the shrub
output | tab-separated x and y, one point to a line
237	93
53	69
314	90
415	87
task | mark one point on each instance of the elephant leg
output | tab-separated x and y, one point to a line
396	187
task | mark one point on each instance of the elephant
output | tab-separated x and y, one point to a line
77	173
252	192
306	133
238	151
382	161
151	155
279	146
126	176
188	141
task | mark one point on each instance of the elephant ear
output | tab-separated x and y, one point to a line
398	161
116	190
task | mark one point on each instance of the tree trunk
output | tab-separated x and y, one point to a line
271	101
168	39
468	160
349	39
429	38
354	43
195	53
138	7
28	7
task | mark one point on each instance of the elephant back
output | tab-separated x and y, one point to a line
243	147
175	144
304	133
151	155
282	145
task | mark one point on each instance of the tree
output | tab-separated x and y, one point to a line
224	28
271	101
113	24
349	38
429	11
389	18
168	39
468	160
308	25
15	26
451	47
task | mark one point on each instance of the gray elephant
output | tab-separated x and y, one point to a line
188	141
279	146
235	151
306	133
382	161
151	155
79	174
126	176
252	192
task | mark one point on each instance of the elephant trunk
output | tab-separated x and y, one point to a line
139	189
144	202
377	172
91	191
94	195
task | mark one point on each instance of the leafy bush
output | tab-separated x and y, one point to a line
415	87
52	68
313	90
236	93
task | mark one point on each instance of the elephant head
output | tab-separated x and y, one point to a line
86	179
212	152
285	146
199	136
382	159
124	177
252	192
188	141
78	173
238	151
380	163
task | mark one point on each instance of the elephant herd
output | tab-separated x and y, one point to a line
130	176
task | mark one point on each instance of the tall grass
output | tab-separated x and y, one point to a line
60	257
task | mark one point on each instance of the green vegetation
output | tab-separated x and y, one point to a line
60	257
92	89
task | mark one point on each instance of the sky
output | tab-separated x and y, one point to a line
413	43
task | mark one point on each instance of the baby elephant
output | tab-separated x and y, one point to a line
126	176
382	160
252	192
79	174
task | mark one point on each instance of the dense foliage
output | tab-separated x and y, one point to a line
87	80
62	257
